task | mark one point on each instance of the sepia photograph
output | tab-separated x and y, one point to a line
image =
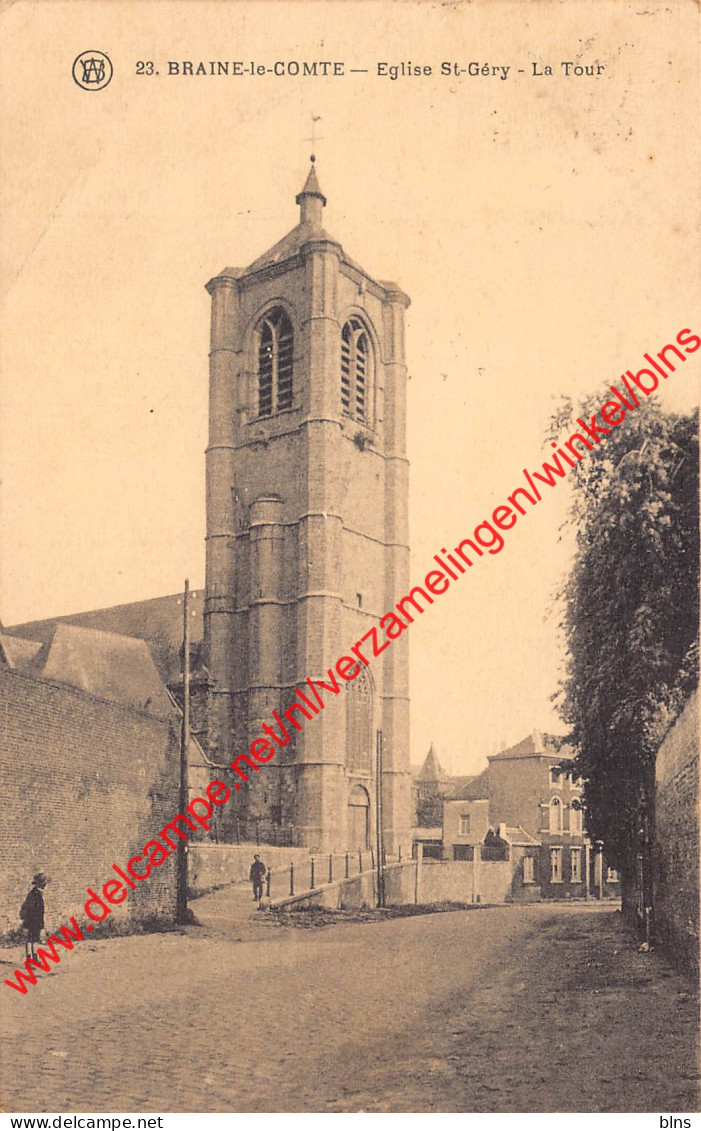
349	583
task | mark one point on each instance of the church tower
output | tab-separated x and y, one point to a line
307	531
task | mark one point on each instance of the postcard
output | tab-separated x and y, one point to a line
349	590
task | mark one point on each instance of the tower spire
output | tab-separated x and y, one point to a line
311	199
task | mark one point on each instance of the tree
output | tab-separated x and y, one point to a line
630	616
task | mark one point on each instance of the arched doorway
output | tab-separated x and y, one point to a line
358	818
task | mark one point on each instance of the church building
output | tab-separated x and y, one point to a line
307	541
307	527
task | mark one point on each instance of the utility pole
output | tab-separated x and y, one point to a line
181	909
378	823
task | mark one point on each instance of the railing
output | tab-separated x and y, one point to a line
323	869
251	830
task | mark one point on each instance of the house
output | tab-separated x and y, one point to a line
525	800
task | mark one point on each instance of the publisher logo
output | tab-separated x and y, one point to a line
92	70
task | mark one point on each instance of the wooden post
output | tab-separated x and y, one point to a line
419	862
587	867
400	853
292	879
379	823
599	870
311	875
360	860
330	867
267	884
476	853
347	865
181	912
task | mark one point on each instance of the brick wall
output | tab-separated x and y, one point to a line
84	784
676	861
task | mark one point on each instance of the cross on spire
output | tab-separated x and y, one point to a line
313	139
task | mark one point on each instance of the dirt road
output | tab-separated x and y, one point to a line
541	1008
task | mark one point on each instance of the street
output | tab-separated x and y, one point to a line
505	1009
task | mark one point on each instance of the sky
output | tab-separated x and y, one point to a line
542	225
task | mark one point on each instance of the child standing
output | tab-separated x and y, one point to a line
32	914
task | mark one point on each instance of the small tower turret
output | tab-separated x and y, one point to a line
311	200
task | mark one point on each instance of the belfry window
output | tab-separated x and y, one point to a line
275	350
355	370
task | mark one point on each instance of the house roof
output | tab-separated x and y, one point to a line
473	788
458	784
518	837
535	745
16	652
118	668
158	621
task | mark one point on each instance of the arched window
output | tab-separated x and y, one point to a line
359	723
356	362
275	349
555	815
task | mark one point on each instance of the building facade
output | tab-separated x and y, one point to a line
307	529
537	804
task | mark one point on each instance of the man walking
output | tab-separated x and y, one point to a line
32	914
256	876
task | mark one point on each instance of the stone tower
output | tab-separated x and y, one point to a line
307	531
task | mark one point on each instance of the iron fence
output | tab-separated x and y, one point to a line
251	830
322	868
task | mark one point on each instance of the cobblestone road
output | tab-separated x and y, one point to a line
522	1009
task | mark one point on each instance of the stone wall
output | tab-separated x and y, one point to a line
676	858
85	784
438	881
212	865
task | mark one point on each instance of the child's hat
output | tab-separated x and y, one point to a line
40	879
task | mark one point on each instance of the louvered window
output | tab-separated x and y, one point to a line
355	370
275	363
